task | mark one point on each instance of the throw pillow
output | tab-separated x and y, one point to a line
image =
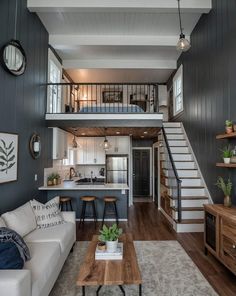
10	236
48	214
22	219
10	256
2	223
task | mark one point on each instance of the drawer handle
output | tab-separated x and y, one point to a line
234	247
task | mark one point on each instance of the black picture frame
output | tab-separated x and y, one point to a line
112	96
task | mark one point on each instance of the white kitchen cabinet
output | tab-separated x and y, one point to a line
91	151
60	144
119	145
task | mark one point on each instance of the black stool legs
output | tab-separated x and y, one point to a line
114	212
83	211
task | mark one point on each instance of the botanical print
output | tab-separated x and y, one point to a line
8	157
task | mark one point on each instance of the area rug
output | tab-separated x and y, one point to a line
166	269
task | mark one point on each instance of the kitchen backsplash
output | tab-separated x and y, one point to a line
64	170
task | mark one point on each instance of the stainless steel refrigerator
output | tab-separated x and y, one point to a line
117	169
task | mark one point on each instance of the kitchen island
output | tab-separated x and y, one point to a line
75	191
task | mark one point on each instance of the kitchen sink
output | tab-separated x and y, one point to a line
87	181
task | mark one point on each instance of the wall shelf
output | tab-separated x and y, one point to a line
226	136
226	165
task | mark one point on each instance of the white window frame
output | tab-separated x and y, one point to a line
178	94
54	103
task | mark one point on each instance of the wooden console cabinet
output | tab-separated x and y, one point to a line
220	234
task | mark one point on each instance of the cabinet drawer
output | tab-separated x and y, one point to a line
228	252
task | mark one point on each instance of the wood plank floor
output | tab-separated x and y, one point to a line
147	223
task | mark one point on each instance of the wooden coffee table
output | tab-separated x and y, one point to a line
110	272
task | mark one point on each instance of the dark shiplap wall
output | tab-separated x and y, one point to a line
210	88
22	102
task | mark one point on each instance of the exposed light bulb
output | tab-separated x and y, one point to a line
183	44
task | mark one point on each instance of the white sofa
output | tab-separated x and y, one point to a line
49	249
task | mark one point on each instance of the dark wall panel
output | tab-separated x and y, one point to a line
23	102
210	88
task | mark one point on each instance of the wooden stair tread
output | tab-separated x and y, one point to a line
189	197
190	221
166	177
178	160
189	209
185	187
181	169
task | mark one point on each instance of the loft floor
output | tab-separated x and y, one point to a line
147	223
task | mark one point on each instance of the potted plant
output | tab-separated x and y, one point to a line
50	180
228	126
53	179
226	187
110	236
227	153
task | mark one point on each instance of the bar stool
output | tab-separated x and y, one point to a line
65	202
88	200
110	201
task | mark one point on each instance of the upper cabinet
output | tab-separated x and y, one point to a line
91	151
119	145
60	144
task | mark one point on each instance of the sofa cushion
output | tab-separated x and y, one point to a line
43	263
62	234
10	257
48	214
2	222
22	220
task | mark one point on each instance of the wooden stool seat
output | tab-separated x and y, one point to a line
65	201
88	198
110	199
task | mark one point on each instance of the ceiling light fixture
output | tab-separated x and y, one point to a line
183	43
74	143
118	133
106	144
145	132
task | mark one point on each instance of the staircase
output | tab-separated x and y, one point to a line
193	188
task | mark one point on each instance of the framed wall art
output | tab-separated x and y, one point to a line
112	96
8	157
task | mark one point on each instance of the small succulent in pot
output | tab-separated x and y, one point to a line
53	179
228	126
110	236
226	187
227	153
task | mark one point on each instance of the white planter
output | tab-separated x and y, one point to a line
112	246
227	160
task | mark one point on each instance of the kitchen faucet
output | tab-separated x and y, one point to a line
72	173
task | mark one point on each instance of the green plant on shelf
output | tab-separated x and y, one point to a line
227	152
229	123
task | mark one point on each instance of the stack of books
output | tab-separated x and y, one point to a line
104	255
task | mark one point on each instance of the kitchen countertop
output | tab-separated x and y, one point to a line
73	186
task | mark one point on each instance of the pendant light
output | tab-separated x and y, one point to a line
74	143
106	144
183	43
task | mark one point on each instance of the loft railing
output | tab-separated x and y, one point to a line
174	182
102	98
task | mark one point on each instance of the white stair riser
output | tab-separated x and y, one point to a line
177	150
181	228
189	214
187	173
193	192
188	192
190	203
179	165
177	143
182	173
171	124
172	130
178	157
175	137
191	182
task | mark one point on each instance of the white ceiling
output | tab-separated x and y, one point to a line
118	34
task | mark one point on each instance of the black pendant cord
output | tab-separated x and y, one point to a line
16	11
180	22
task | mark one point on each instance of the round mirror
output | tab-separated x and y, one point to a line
13	58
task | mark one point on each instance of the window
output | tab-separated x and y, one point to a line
54	91
178	91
